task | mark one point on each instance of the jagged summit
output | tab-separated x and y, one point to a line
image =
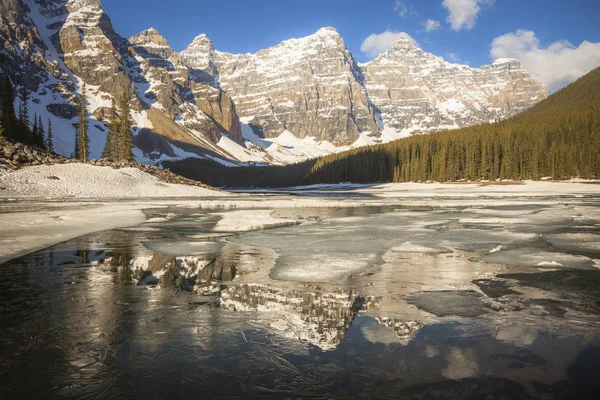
149	36
500	61
200	40
200	45
405	42
326	36
327	31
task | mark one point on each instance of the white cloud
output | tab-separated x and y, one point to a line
453	57
403	8
430	25
378	43
555	65
463	13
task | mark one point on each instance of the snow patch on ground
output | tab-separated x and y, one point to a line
89	181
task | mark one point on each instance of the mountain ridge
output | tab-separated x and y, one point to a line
311	87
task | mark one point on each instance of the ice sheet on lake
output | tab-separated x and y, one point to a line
533	257
250	220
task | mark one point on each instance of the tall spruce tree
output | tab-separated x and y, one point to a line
49	143
25	132
75	153
83	142
125	136
34	129
40	140
111	146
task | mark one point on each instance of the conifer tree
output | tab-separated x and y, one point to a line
26	134
1	133
40	137
111	146
49	138
83	149
125	135
34	129
75	153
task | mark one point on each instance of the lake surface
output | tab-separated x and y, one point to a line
497	299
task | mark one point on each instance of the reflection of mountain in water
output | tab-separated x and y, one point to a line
318	317
189	273
314	314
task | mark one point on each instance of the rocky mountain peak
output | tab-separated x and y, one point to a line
504	61
405	50
152	42
328	31
200	43
325	37
199	55
147	37
75	5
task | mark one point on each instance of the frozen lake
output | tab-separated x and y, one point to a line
345	296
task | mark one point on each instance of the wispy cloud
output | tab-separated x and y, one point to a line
453	57
404	8
556	65
462	14
431	25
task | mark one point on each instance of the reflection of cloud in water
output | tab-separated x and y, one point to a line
517	335
431	351
462	364
379	334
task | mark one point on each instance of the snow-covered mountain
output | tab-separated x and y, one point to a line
417	92
300	99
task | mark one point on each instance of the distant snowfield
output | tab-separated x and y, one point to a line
289	149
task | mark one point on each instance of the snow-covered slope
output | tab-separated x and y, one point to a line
89	181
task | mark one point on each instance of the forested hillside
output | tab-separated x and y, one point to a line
559	137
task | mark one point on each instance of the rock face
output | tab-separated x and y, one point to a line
164	79
418	92
310	87
90	47
299	99
53	47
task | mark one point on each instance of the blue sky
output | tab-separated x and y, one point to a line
466	31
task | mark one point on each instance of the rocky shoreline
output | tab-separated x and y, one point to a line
14	156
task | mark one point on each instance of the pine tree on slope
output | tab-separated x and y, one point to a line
49	143
83	149
124	139
40	140
111	146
